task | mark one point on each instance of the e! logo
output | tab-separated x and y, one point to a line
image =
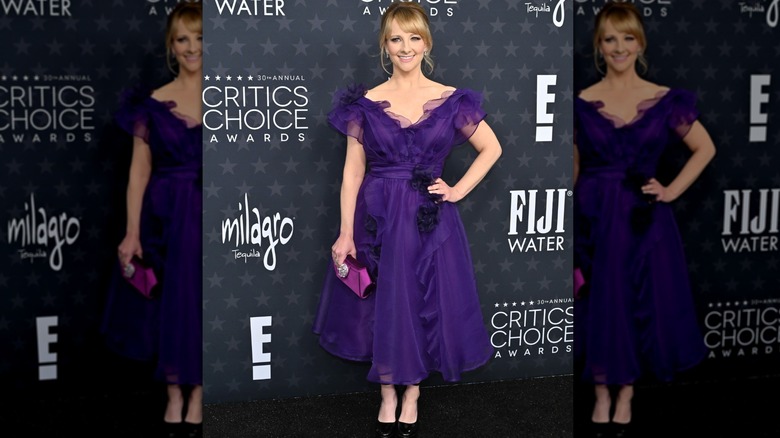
261	359
758	119
543	98
47	368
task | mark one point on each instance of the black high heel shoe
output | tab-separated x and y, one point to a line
170	430
385	430
407	430
600	430
622	430
193	430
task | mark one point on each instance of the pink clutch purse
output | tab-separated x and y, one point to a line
355	276
140	276
579	281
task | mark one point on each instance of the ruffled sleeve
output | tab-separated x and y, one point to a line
468	113
682	112
346	116
133	115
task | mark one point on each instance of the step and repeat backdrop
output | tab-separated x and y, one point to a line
272	175
272	171
62	182
725	52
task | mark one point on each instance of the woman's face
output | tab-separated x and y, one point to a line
619	49
405	49
187	47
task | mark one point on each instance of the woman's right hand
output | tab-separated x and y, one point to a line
343	246
130	246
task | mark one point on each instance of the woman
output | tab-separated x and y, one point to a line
635	316
164	227
399	218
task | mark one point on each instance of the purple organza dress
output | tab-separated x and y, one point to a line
167	329
424	315
637	316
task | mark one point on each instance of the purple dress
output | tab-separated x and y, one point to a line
166	329
636	317
424	314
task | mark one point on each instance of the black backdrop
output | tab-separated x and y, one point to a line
726	53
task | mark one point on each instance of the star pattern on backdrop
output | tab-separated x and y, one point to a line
331	48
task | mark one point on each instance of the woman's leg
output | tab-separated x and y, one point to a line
195	406
173	410
623	405
409	404
602	405
389	403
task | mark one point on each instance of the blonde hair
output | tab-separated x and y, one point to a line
625	17
191	15
411	17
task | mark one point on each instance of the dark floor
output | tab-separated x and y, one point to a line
539	408
707	405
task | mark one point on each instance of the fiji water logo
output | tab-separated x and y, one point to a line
542	217
41	234
250	228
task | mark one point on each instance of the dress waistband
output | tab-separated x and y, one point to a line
402	170
612	172
192	170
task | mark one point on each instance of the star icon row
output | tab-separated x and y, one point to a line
17	77
230	78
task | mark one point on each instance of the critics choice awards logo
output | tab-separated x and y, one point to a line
648	8
255	108
743	328
46	109
163	7
532	328
434	8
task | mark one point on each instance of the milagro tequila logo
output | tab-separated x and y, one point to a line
758	7
251	228
38	232
558	14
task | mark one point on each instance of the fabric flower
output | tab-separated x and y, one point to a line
427	217
428	211
348	95
134	96
641	214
